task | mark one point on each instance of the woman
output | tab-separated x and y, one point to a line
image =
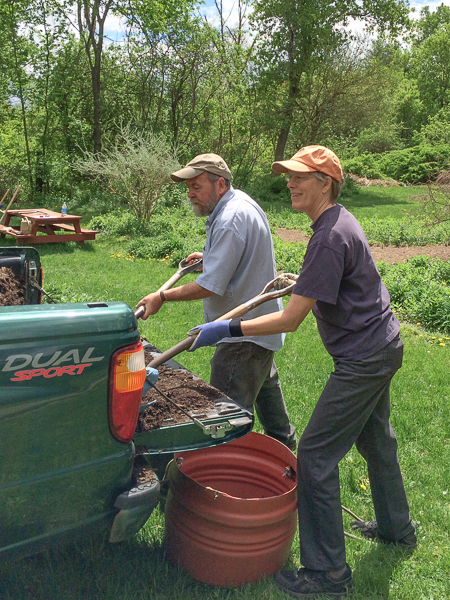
339	282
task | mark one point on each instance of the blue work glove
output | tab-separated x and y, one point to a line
150	380
209	334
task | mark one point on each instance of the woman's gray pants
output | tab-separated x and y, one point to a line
353	408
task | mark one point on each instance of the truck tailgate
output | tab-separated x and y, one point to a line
61	467
223	421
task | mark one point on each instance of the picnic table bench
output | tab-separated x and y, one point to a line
47	222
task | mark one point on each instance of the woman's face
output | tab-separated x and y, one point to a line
308	193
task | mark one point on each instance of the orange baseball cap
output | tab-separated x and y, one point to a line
309	159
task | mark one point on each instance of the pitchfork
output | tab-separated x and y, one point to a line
282	285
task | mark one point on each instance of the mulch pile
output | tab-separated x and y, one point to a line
189	393
365	181
12	288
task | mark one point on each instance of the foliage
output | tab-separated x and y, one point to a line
298	50
267	188
420	291
375	140
411	165
430	67
290	75
407	232
136	169
172	234
436	203
288	255
437	128
120	223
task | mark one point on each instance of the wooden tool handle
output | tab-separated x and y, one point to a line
177	349
139	313
239	311
170	282
10	202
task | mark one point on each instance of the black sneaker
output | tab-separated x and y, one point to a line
369	529
293	446
306	583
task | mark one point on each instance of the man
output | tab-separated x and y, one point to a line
238	261
340	283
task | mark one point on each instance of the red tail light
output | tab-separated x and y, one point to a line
127	376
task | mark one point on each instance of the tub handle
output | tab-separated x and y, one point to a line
289	472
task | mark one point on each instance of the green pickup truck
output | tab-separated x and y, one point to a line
71	389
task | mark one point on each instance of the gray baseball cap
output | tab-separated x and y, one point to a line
212	163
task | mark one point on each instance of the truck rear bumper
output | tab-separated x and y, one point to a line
135	507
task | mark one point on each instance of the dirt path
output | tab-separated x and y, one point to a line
390	254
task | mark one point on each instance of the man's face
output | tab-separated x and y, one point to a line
203	194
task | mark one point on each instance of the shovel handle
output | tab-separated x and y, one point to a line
139	313
177	349
170	282
183	269
243	309
10	202
239	311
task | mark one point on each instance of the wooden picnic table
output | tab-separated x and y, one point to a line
47	222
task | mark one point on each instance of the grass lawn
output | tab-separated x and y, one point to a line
138	570
381	202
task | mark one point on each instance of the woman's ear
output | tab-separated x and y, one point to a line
327	185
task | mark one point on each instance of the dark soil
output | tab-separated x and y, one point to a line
389	254
142	472
189	393
12	288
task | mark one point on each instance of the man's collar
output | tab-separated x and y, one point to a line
221	204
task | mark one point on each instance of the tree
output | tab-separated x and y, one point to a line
13	13
294	34
150	15
135	169
430	67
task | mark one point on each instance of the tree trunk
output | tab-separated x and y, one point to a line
18	73
91	26
96	95
282	141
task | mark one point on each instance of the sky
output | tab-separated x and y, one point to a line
115	29
230	5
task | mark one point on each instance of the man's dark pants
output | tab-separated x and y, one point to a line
247	374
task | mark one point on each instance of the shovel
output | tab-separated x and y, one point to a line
10	202
183	269
282	285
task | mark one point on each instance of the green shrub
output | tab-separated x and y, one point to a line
420	291
418	164
288	218
267	188
123	223
349	188
395	232
135	169
365	165
288	255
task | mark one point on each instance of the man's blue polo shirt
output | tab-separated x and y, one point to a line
238	261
